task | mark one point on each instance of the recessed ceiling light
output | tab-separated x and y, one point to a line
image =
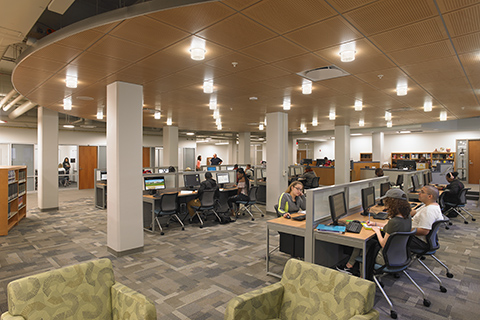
190	133
68	126
356	134
253	98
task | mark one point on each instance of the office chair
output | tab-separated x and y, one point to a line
397	259
247	204
460	205
433	246
207	200
315	183
168	207
276	210
441	203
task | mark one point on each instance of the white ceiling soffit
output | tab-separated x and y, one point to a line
323	73
60	6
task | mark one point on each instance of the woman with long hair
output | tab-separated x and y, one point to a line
292	200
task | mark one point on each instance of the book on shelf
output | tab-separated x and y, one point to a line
21	175
330	228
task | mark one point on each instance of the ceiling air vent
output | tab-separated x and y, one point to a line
323	73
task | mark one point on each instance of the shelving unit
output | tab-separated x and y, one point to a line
366	156
432	158
13	196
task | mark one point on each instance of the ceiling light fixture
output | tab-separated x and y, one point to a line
314	121
347	52
213	102
71	81
389	124
219	127
427	105
402	90
216	114
405	131
331	115
356	134
157	115
197	49
260	127
358	105
190	133
100	113
286	103
265	121
69	126
169	121
208	86
67	103
361	123
306	86
443	116
388	115
218	121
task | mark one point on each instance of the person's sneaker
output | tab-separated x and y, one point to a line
343	268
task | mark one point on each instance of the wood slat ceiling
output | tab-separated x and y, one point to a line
271	41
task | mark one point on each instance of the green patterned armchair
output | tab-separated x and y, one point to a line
83	291
307	291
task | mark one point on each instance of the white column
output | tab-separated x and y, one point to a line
124	168
231	157
244	148
377	147
47	159
292	150
342	154
170	146
277	157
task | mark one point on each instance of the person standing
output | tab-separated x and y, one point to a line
66	167
215	161
199	163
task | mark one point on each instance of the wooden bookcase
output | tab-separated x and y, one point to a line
432	158
13	196
366	156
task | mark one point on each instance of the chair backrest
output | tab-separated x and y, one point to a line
432	238
441	200
207	199
395	251
462	196
253	194
316	182
168	202
276	210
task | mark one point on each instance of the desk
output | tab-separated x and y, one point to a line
101	195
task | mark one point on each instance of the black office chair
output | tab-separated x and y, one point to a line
276	210
433	246
397	259
207	200
247	204
168	206
460	205
315	183
441	203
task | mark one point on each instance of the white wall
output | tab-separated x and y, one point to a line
207	150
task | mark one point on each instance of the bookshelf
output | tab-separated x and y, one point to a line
366	156
432	158
13	196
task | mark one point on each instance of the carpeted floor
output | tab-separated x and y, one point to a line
192	274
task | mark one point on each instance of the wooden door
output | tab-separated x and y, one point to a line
146	157
473	161
87	163
301	154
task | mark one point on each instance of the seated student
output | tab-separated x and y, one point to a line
379	172
308	177
398	210
206	185
292	200
453	188
327	162
243	185
249	172
424	218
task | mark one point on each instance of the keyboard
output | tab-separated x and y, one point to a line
300	217
354	226
380	215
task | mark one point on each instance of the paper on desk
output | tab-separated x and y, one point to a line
367	227
186	192
302	211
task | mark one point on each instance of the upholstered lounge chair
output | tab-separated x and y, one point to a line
307	291
83	291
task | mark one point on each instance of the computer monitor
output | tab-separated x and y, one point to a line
399	182
384	187
320	162
223	178
406	164
338	207
429	174
191	180
368	199
211	168
415	183
425	179
307	161
153	183
103	175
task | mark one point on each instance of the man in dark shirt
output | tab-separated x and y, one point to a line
215	161
453	188
206	185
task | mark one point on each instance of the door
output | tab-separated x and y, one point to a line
301	154
146	157
87	163
473	161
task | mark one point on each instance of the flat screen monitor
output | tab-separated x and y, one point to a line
211	168
103	175
222	178
406	164
338	207
191	180
425	179
384	187
154	182
307	161
430	177
415	183
368	199
399	182
320	162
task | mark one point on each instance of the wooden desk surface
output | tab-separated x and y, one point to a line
281	221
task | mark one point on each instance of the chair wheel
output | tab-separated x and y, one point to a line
201	227
183	228
426	303
447	228
264	216
253	219
466	222
162	233
393	314
473	219
443	289
396	275
449	275
422	258
450	223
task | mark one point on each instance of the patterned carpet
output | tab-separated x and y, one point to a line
192	274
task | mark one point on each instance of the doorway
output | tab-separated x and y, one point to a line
301	154
87	163
473	161
146	157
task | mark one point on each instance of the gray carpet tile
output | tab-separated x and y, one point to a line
192	274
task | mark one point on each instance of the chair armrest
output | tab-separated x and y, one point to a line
264	303
8	316
129	304
372	315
